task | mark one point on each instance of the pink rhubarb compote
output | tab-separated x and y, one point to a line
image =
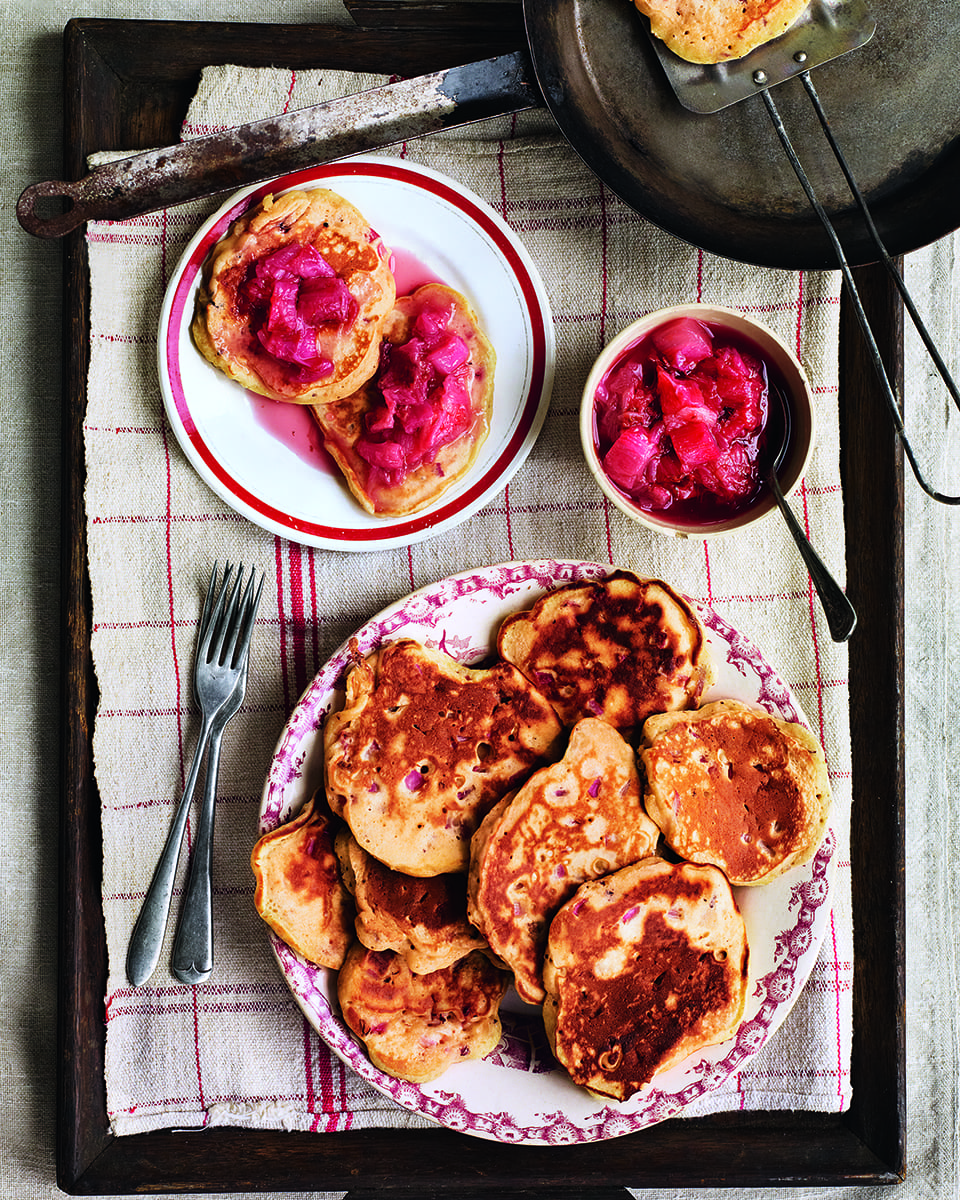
286	295
424	396
411	431
680	422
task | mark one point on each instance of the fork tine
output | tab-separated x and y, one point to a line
245	626
233	620
204	626
223	614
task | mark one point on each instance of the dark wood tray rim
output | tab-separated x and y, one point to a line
127	84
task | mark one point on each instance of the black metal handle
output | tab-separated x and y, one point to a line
893	404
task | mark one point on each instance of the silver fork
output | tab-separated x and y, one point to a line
220	679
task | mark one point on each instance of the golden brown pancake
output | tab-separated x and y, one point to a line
736	787
643	967
299	891
416	1026
619	648
422	920
424	747
575	820
713	31
292	300
410	432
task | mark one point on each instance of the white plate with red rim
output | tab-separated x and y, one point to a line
266	459
518	1093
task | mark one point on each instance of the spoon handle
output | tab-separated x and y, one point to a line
840	614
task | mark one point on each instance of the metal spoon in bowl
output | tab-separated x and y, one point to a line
840	614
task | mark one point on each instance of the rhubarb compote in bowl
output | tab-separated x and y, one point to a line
684	413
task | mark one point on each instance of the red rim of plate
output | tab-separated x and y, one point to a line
502	240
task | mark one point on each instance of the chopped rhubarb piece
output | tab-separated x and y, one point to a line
683	343
627	458
325	300
694	445
449	353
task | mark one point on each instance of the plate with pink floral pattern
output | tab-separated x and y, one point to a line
518	1093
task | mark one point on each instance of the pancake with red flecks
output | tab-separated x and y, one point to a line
416	1026
424	747
715	31
619	648
643	968
574	820
299	891
733	786
424	920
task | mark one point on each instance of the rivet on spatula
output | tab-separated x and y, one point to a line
759	78
800	57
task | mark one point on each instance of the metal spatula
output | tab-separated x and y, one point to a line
826	30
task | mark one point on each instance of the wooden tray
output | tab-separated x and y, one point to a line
127	86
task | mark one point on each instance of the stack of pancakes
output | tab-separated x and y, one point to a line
568	819
266	317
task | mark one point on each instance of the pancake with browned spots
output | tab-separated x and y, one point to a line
574	820
416	1026
423	919
411	431
619	648
715	31
292	300
424	747
736	787
299	891
643	968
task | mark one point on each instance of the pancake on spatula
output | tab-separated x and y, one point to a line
292	299
715	31
410	432
424	747
643	968
299	890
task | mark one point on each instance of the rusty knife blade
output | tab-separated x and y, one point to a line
250	153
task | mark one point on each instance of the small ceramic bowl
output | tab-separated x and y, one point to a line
783	367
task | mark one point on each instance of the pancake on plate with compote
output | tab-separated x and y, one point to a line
293	298
415	427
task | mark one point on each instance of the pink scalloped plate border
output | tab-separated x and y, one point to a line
518	1093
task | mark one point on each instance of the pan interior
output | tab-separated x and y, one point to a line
721	181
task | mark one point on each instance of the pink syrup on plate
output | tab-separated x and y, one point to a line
295	427
293	424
